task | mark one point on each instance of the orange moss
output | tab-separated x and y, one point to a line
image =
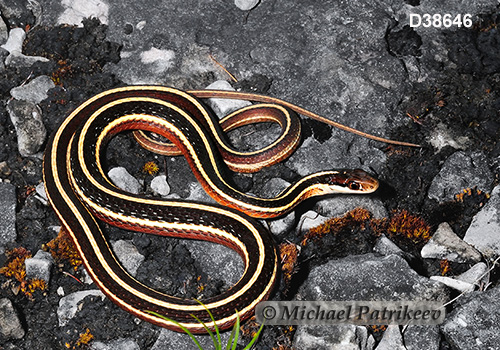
444	266
356	217
85	338
150	168
470	192
62	248
412	227
15	268
289	254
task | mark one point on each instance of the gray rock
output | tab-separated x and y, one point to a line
122	179
198	194
223	106
128	255
367	277
282	225
160	186
485	226
218	261
273	188
445	244
75	11
4	31
180	341
385	246
475	324
35	91
8	202
14	46
341	204
308	337
41	195
39	266
27	119
441	136
461	170
391	340
422	337
475	275
461	286
69	304
309	220
118	344
246	5
10	325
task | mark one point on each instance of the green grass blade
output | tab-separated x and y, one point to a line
231	337
216	345
237	330
215	325
254	339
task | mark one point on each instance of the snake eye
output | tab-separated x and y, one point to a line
353	185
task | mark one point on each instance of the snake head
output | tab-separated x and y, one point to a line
345	181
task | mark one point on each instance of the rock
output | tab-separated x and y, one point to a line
27	119
223	106
385	246
273	187
39	266
14	46
123	180
41	195
441	136
4	31
118	344
218	262
75	11
160	186
483	230
179	341
454	283
159	60
198	194
69	304
391	340
282	225
323	337
367	277
475	275
246	5
309	220
474	324
128	255
8	202
461	170
35	91
339	205
422	337
10	324
445	244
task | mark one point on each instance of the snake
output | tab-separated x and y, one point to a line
82	195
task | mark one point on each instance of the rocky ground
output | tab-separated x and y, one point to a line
358	63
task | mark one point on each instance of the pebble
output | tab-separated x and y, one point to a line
128	255
27	120
309	220
4	31
475	274
461	286
282	225
39	266
118	344
368	277
475	323
10	324
441	137
35	91
339	205
246	5
14	46
8	202
385	246
68	305
422	337
391	340
160	60
485	226
123	180
460	171
312	337
179	341
41	195
160	186
223	106
75	11
445	244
